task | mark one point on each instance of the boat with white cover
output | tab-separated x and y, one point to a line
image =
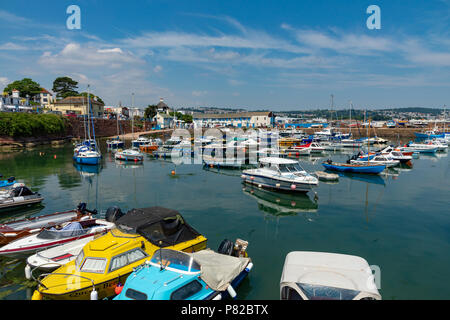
309	275
280	174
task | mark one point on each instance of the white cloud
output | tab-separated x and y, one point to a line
199	93
157	69
76	55
11	46
4	82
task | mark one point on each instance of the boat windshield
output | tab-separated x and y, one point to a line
175	260
71	230
292	168
318	292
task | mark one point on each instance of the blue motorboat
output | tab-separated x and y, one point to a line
353	167
429	134
177	275
8	182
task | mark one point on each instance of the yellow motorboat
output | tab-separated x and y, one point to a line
104	264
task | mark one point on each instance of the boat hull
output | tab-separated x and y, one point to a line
87	160
275	184
354	169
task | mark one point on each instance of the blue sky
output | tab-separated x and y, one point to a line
282	55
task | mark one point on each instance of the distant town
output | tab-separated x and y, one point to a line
27	95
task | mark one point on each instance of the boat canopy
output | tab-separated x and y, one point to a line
328	275
219	270
72	229
161	226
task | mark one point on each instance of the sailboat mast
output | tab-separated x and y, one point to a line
132	115
88	114
331	112
368	144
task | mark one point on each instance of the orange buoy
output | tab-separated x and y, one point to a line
54	156
118	288
173	172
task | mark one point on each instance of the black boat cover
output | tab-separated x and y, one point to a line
161	226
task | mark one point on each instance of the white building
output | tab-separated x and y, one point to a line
238	119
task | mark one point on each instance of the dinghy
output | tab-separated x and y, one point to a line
8	182
354	167
18	196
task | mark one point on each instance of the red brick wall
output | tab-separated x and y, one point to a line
105	127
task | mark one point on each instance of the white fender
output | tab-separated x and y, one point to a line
94	295
249	267
28	272
231	291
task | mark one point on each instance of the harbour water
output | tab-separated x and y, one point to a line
398	221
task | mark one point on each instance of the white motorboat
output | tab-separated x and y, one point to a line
19	195
53	258
440	143
280	174
129	155
419	148
309	275
351	143
379	159
48	238
396	154
331	146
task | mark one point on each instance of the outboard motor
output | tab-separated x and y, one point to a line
226	247
11	179
113	214
81	207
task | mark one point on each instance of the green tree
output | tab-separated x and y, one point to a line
65	87
92	96
26	87
150	111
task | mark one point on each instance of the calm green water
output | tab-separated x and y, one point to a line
399	221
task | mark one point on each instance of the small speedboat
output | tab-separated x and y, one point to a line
202	275
396	154
17	229
280	174
313	146
351	143
19	195
377	159
309	275
7	182
354	167
440	143
129	155
54	236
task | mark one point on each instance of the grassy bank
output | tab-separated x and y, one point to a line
18	124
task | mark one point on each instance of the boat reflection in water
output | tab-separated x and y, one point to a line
280	204
129	164
370	178
87	170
